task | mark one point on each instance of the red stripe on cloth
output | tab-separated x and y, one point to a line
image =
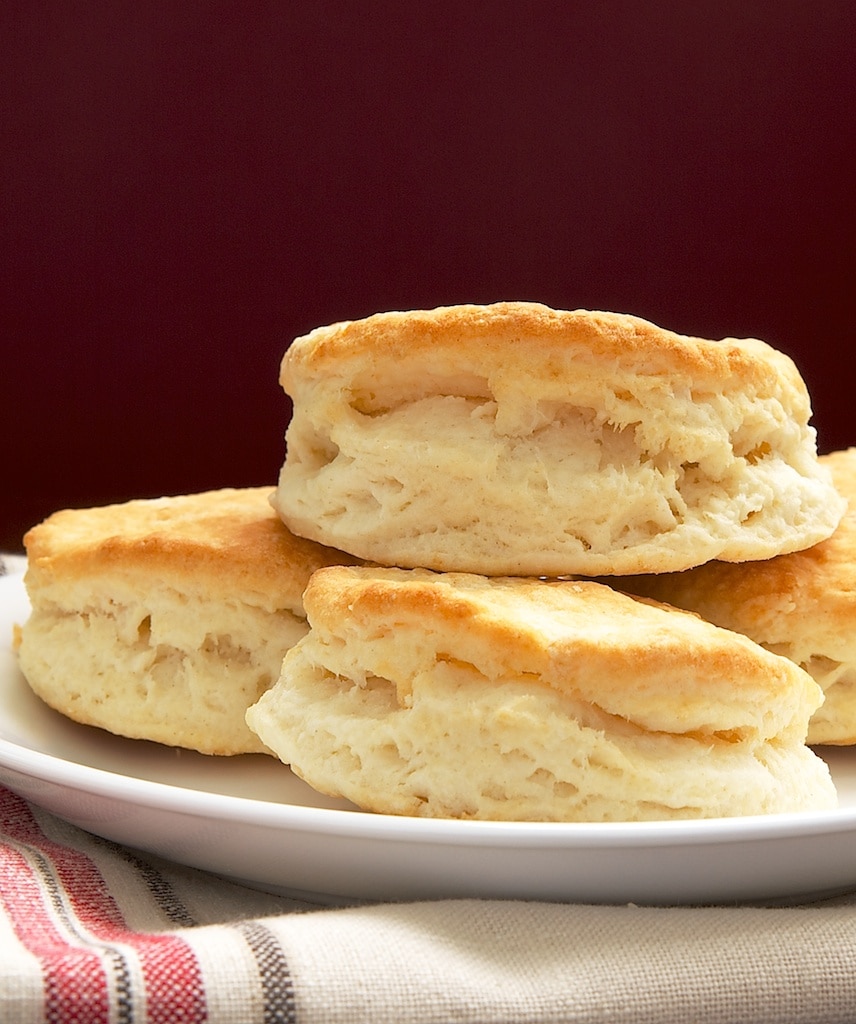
171	973
71	976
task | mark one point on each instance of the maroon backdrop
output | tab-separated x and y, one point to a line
187	186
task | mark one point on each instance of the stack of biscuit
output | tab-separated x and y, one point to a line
476	454
454	481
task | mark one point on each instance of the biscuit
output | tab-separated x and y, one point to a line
514	439
462	696
165	619
801	605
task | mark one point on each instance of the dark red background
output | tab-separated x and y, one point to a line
187	186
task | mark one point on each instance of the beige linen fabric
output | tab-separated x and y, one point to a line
515	962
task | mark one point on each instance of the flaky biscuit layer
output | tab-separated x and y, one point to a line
457	695
165	619
513	439
801	605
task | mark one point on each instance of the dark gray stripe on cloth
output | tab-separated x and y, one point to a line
164	895
277	985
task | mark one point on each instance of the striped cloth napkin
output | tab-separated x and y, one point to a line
93	932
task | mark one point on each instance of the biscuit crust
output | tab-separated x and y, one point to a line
164	619
229	538
462	696
514	439
527	338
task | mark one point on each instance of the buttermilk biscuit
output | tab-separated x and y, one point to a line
801	605
456	695
165	619
513	439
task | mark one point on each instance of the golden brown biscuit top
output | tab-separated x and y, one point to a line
229	539
509	338
646	662
815	587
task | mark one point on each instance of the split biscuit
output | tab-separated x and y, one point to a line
800	605
514	439
165	619
462	696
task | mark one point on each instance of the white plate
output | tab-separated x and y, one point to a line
250	819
